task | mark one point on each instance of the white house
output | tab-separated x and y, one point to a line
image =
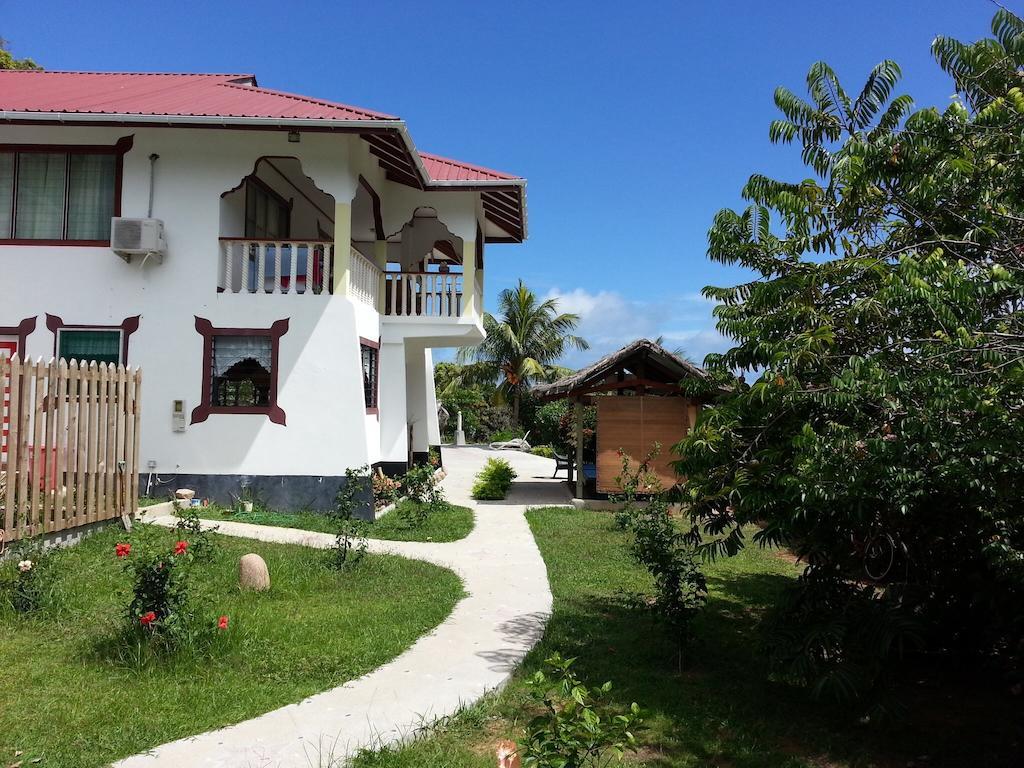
281	268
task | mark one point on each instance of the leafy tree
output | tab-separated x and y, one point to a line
881	440
7	60
523	343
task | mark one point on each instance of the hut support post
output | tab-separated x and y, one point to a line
579	448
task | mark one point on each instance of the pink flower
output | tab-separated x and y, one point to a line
222	623
180	547
123	550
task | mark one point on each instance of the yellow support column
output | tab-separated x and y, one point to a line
468	278
342	248
380	258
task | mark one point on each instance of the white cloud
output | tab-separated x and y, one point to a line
608	320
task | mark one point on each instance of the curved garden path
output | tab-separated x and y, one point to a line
474	650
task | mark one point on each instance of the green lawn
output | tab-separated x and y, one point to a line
68	698
450	523
724	710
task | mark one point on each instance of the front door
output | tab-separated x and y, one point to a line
8	348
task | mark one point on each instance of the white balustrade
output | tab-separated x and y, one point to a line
250	265
423	294
364	279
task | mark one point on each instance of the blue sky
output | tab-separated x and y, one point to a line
634	122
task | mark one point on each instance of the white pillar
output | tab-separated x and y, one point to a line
433	425
392	396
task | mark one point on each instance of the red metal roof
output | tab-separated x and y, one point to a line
133	93
446	169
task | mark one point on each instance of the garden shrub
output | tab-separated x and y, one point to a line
350	534
494	480
25	576
667	552
165	614
578	726
425	495
385	489
190	526
545	451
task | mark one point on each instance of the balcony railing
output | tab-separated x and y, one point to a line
365	279
422	294
276	266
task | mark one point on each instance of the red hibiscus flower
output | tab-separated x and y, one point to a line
123	550
147	618
222	623
180	547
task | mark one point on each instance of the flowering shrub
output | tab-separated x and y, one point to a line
190	528
164	609
23	581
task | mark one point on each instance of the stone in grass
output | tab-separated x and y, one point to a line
253	573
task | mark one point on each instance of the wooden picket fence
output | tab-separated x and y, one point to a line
70	455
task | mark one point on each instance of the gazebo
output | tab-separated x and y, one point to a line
639	403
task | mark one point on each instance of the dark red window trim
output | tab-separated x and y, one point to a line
127	327
207	330
363	342
123	145
21	331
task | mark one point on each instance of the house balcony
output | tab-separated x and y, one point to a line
307	267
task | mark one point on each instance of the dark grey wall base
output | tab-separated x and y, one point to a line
391	468
284	493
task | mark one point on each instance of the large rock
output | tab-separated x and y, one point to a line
253	573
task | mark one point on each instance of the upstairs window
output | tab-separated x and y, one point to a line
370	352
267	214
59	194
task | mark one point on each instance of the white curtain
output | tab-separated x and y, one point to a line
90	196
229	350
6	192
41	177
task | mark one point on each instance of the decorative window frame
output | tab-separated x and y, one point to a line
373	410
127	327
123	145
272	410
21	332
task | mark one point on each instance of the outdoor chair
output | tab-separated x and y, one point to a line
563	462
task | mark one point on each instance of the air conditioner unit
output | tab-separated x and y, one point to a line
137	237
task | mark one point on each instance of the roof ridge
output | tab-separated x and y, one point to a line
311	100
236	75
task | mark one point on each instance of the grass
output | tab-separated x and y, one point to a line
724	710
449	523
75	698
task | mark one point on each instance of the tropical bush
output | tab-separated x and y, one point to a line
546	451
386	490
493	481
350	533
578	726
25	576
880	441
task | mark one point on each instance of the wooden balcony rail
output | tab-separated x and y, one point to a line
422	294
250	265
365	279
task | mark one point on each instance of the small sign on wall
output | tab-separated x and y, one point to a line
178	416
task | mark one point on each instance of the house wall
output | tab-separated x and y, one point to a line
320	382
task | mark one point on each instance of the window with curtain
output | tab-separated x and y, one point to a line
88	344
57	195
242	371
369	355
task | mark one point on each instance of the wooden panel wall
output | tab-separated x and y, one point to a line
634	424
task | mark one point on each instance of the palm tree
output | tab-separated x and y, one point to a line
523	343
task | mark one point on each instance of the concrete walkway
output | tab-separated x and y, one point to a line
473	651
